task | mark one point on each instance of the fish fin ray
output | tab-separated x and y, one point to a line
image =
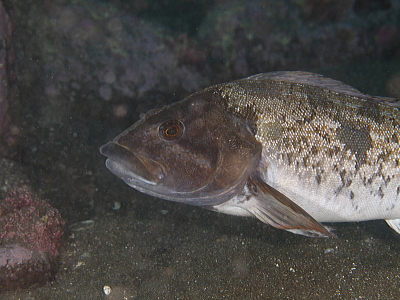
311	233
272	207
394	224
395	102
307	78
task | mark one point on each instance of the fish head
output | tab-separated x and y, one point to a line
192	151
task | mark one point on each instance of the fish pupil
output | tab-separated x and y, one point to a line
171	129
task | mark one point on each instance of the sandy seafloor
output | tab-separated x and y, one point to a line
188	253
147	248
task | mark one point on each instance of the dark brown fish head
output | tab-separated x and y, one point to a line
192	151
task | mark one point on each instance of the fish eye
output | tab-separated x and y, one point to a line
171	129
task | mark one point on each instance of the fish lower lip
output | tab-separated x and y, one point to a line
125	174
129	166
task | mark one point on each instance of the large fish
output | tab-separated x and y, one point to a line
293	149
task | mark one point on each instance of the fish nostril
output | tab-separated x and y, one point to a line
161	176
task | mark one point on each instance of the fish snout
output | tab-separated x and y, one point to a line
131	167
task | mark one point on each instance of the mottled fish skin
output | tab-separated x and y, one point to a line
327	152
328	147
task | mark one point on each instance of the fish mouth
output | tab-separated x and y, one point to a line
147	176
135	170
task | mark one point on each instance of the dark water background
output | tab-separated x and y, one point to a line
86	70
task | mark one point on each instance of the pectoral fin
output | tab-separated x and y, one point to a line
394	224
274	208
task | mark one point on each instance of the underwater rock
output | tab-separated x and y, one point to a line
8	131
31	232
94	57
250	37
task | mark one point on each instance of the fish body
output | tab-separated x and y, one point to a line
293	149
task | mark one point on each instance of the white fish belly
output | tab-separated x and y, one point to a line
330	199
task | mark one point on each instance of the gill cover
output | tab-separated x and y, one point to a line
192	151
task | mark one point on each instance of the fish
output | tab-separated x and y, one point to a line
291	148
